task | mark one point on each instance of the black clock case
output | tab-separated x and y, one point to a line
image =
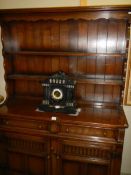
66	86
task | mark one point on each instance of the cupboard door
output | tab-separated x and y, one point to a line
76	167
79	157
2	155
27	155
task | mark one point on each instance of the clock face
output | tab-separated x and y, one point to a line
57	94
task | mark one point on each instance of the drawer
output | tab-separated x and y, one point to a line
89	131
30	124
57	128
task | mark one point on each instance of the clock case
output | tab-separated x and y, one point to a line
58	94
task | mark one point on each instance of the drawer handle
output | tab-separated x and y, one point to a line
57	157
48	157
5	122
105	134
39	126
67	129
52	148
54	127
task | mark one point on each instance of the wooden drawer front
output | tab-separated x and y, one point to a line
30	124
88	131
27	145
87	151
57	128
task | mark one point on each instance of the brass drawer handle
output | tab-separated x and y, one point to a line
5	122
105	133
48	157
39	126
57	157
52	148
54	127
67	129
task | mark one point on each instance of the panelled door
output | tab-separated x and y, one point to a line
27	155
86	158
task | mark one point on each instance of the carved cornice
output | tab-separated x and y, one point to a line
118	12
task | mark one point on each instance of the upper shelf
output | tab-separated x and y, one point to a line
50	53
77	78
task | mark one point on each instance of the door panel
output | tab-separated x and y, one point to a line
26	164
2	155
84	158
12	173
16	162
27	155
76	168
71	167
36	165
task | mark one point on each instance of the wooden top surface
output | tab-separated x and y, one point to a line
94	117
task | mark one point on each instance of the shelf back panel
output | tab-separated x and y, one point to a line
29	44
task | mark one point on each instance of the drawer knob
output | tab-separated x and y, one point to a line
48	157
52	148
54	127
39	126
67	129
57	157
5	122
105	133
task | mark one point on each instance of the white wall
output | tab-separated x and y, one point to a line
108	2
36	3
2	82
5	4
126	162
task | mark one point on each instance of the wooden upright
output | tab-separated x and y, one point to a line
90	45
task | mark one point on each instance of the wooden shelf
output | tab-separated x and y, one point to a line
98	104
55	53
79	78
79	102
